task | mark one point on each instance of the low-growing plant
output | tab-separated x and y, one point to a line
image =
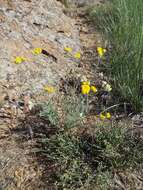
89	160
49	112
74	108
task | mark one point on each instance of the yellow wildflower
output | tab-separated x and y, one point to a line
101	51
49	89
85	89
108	115
94	89
37	51
102	116
77	55
86	82
105	116
68	49
19	60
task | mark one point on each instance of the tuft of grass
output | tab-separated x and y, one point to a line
121	21
49	113
74	108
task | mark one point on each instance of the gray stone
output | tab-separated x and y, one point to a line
25	25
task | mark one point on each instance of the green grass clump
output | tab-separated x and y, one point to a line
121	21
49	113
74	109
89	160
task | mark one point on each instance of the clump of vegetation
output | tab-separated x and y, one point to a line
86	160
74	108
49	113
121	21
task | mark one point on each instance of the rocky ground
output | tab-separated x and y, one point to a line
26	25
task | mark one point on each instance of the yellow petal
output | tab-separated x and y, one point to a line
108	115
102	116
68	49
86	82
37	51
19	60
85	89
101	51
94	89
23	58
77	55
49	89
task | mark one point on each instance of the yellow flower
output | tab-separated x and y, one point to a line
37	51
105	116
68	49
86	82
77	55
19	60
101	51
102	116
94	89
108	115
49	89
85	89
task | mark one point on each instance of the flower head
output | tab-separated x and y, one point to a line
49	89
101	51
19	60
85	89
77	55
37	51
68	49
108	115
94	89
105	116
102	116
